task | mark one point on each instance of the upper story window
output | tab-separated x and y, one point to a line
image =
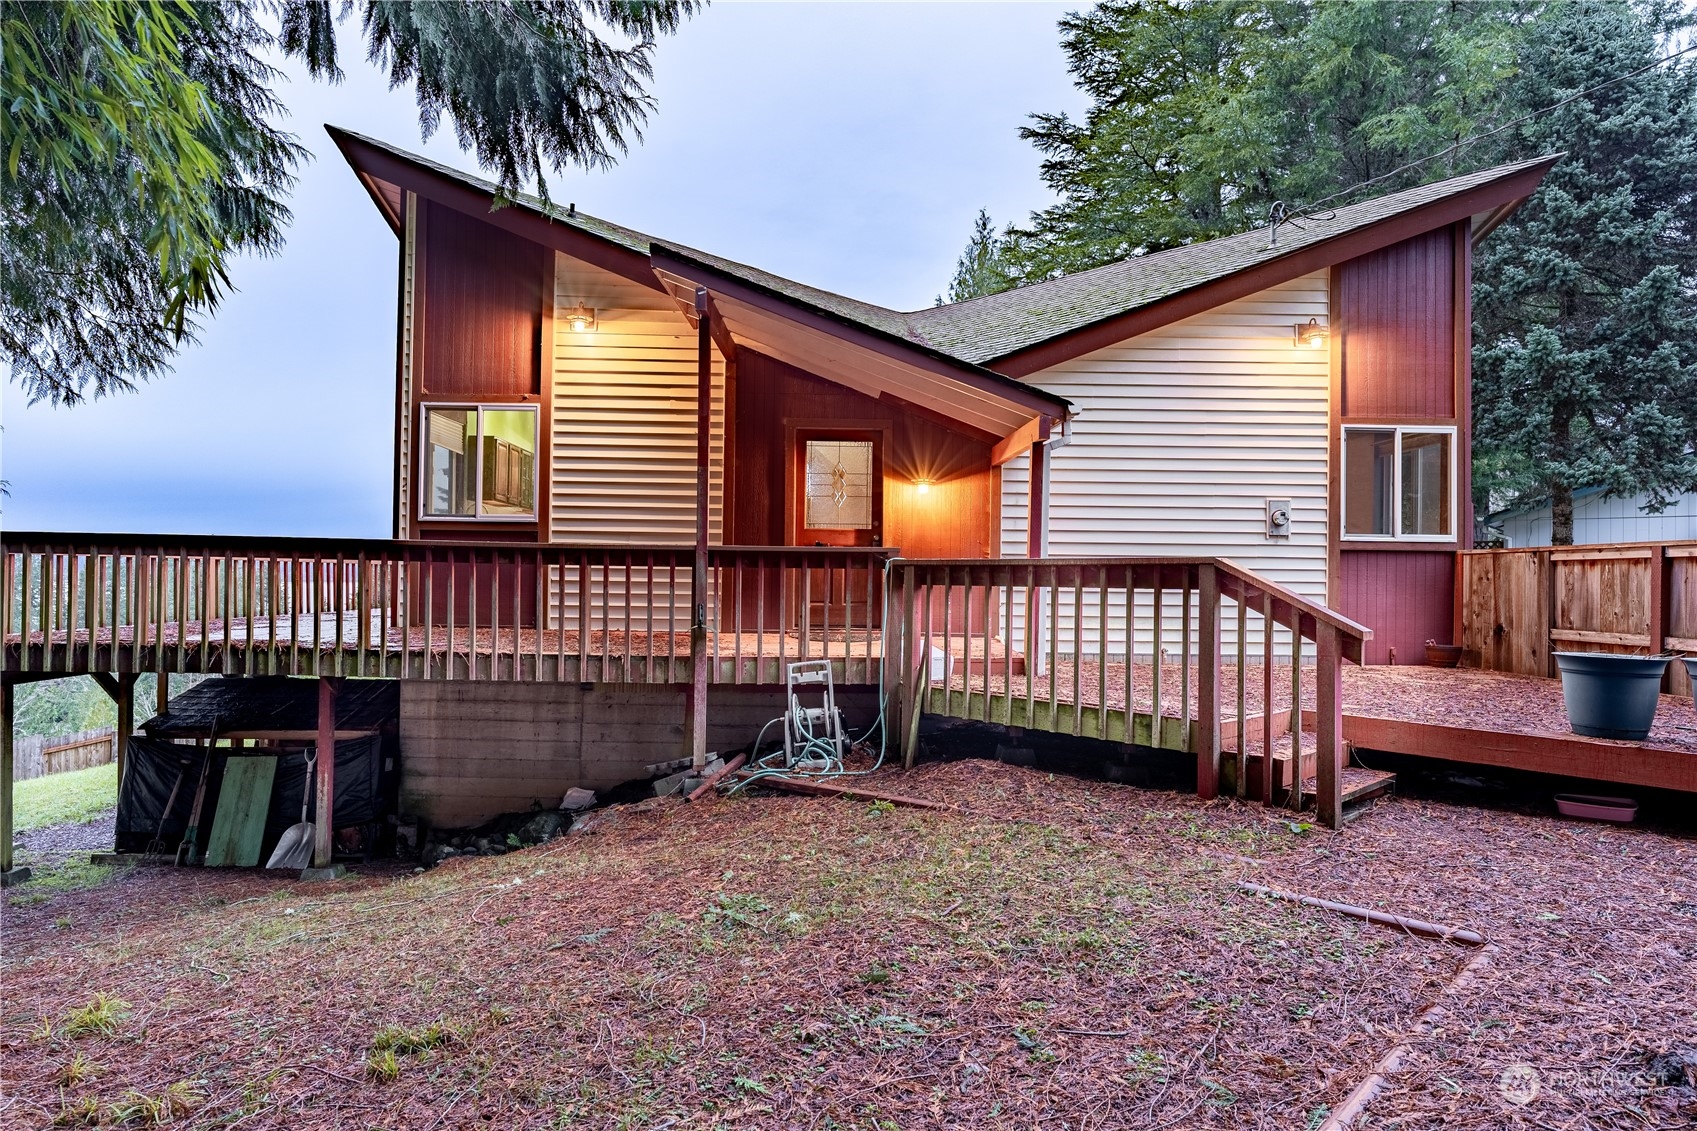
479	462
1399	483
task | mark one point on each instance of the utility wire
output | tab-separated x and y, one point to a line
1309	211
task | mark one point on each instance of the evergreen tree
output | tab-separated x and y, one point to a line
141	158
1585	302
1203	114
980	270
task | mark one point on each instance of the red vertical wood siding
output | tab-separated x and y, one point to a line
480	338
951	520
1397	322
1405	596
954	519
483	302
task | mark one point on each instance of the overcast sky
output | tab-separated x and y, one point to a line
848	146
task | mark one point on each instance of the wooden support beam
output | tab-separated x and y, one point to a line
1033	431
8	874
1207	682
126	722
1328	729
324	816
695	727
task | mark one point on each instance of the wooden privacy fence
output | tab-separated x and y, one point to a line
1080	665
432	609
39	755
1520	606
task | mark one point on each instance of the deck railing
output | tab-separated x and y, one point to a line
431	609
1133	650
1125	649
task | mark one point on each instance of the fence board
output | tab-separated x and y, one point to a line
39	755
1519	605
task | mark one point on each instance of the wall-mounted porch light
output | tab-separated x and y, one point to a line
1311	334
923	486
581	319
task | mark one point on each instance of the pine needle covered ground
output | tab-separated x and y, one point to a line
1058	953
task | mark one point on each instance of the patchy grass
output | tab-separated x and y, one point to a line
72	798
1058	951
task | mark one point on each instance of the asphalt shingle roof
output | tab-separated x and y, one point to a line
980	330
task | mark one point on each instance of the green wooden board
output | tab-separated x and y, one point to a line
243	803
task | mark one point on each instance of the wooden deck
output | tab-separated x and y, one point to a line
1461	715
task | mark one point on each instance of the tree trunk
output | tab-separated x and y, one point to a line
1561	515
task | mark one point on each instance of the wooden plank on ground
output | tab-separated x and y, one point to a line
244	801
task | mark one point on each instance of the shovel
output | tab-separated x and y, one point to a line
294	847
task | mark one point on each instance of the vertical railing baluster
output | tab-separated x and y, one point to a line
1078	653
453	611
27	601
1185	654
1295	708
427	610
1007	645
1102	652
759	620
1054	633
1158	713
948	642
1033	645
518	618
1242	755
1130	651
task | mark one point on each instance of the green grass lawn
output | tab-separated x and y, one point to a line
68	798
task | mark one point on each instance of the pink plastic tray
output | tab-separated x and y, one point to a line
1620	810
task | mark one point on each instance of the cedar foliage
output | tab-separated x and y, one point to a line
141	158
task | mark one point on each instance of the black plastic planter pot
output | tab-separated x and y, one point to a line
1611	696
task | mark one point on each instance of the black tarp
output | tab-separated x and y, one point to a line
153	766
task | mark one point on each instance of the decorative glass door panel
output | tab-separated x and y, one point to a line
837	499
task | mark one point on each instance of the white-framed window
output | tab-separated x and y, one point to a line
1399	483
478	461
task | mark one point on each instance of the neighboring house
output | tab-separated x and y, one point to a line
1598	518
1172	403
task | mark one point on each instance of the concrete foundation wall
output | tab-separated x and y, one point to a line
470	751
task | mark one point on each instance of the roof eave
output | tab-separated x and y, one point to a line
1509	190
375	163
925	357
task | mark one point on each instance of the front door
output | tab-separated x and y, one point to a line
837	485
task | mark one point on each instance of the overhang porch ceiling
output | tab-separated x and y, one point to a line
978	403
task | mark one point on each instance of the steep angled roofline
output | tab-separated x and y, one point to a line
1498	197
374	160
936	361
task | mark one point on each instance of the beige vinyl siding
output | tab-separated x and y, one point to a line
623	443
624	416
1183	434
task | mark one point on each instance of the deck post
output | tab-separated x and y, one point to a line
1207	682
695	726
9	874
1036	546
324	812
1328	726
121	689
126	721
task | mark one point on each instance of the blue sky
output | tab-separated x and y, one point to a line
846	145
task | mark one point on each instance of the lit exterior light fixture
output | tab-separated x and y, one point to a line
581	319
923	486
1311	334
